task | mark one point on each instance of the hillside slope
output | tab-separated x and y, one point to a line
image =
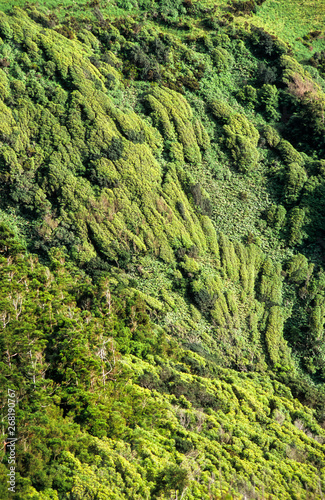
162	291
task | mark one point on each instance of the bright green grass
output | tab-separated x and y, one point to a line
291	19
6	5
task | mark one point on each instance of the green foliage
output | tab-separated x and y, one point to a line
248	96
268	99
241	135
271	283
298	268
242	139
222	59
276	216
174	115
176	295
170	10
272	136
295	179
220	110
202	136
5	30
296	221
277	348
288	153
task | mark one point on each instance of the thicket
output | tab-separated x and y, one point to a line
162	287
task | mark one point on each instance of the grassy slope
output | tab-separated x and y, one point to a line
290	20
289	432
294	19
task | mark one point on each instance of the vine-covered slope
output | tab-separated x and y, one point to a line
162	296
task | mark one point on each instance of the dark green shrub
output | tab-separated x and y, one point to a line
222	59
110	81
243	7
136	136
180	207
200	200
263	41
172	478
266	74
196	192
149	380
170	10
318	60
204	300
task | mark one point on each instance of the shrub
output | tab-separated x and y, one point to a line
266	74
115	149
180	207
222	59
172	477
271	135
202	136
201	201
268	97
248	96
136	136
183	445
297	268
242	140
5	29
160	117
289	153
110	81
220	110
263	41
296	222
296	177
203	298
276	216
174	114
276	345
243	7
176	151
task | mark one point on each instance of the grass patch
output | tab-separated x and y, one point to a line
293	20
69	8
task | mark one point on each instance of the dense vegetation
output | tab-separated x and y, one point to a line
162	291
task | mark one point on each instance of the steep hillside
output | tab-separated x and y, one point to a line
162	291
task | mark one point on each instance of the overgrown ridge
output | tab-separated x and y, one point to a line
162	210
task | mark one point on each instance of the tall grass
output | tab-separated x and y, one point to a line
291	20
76	8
